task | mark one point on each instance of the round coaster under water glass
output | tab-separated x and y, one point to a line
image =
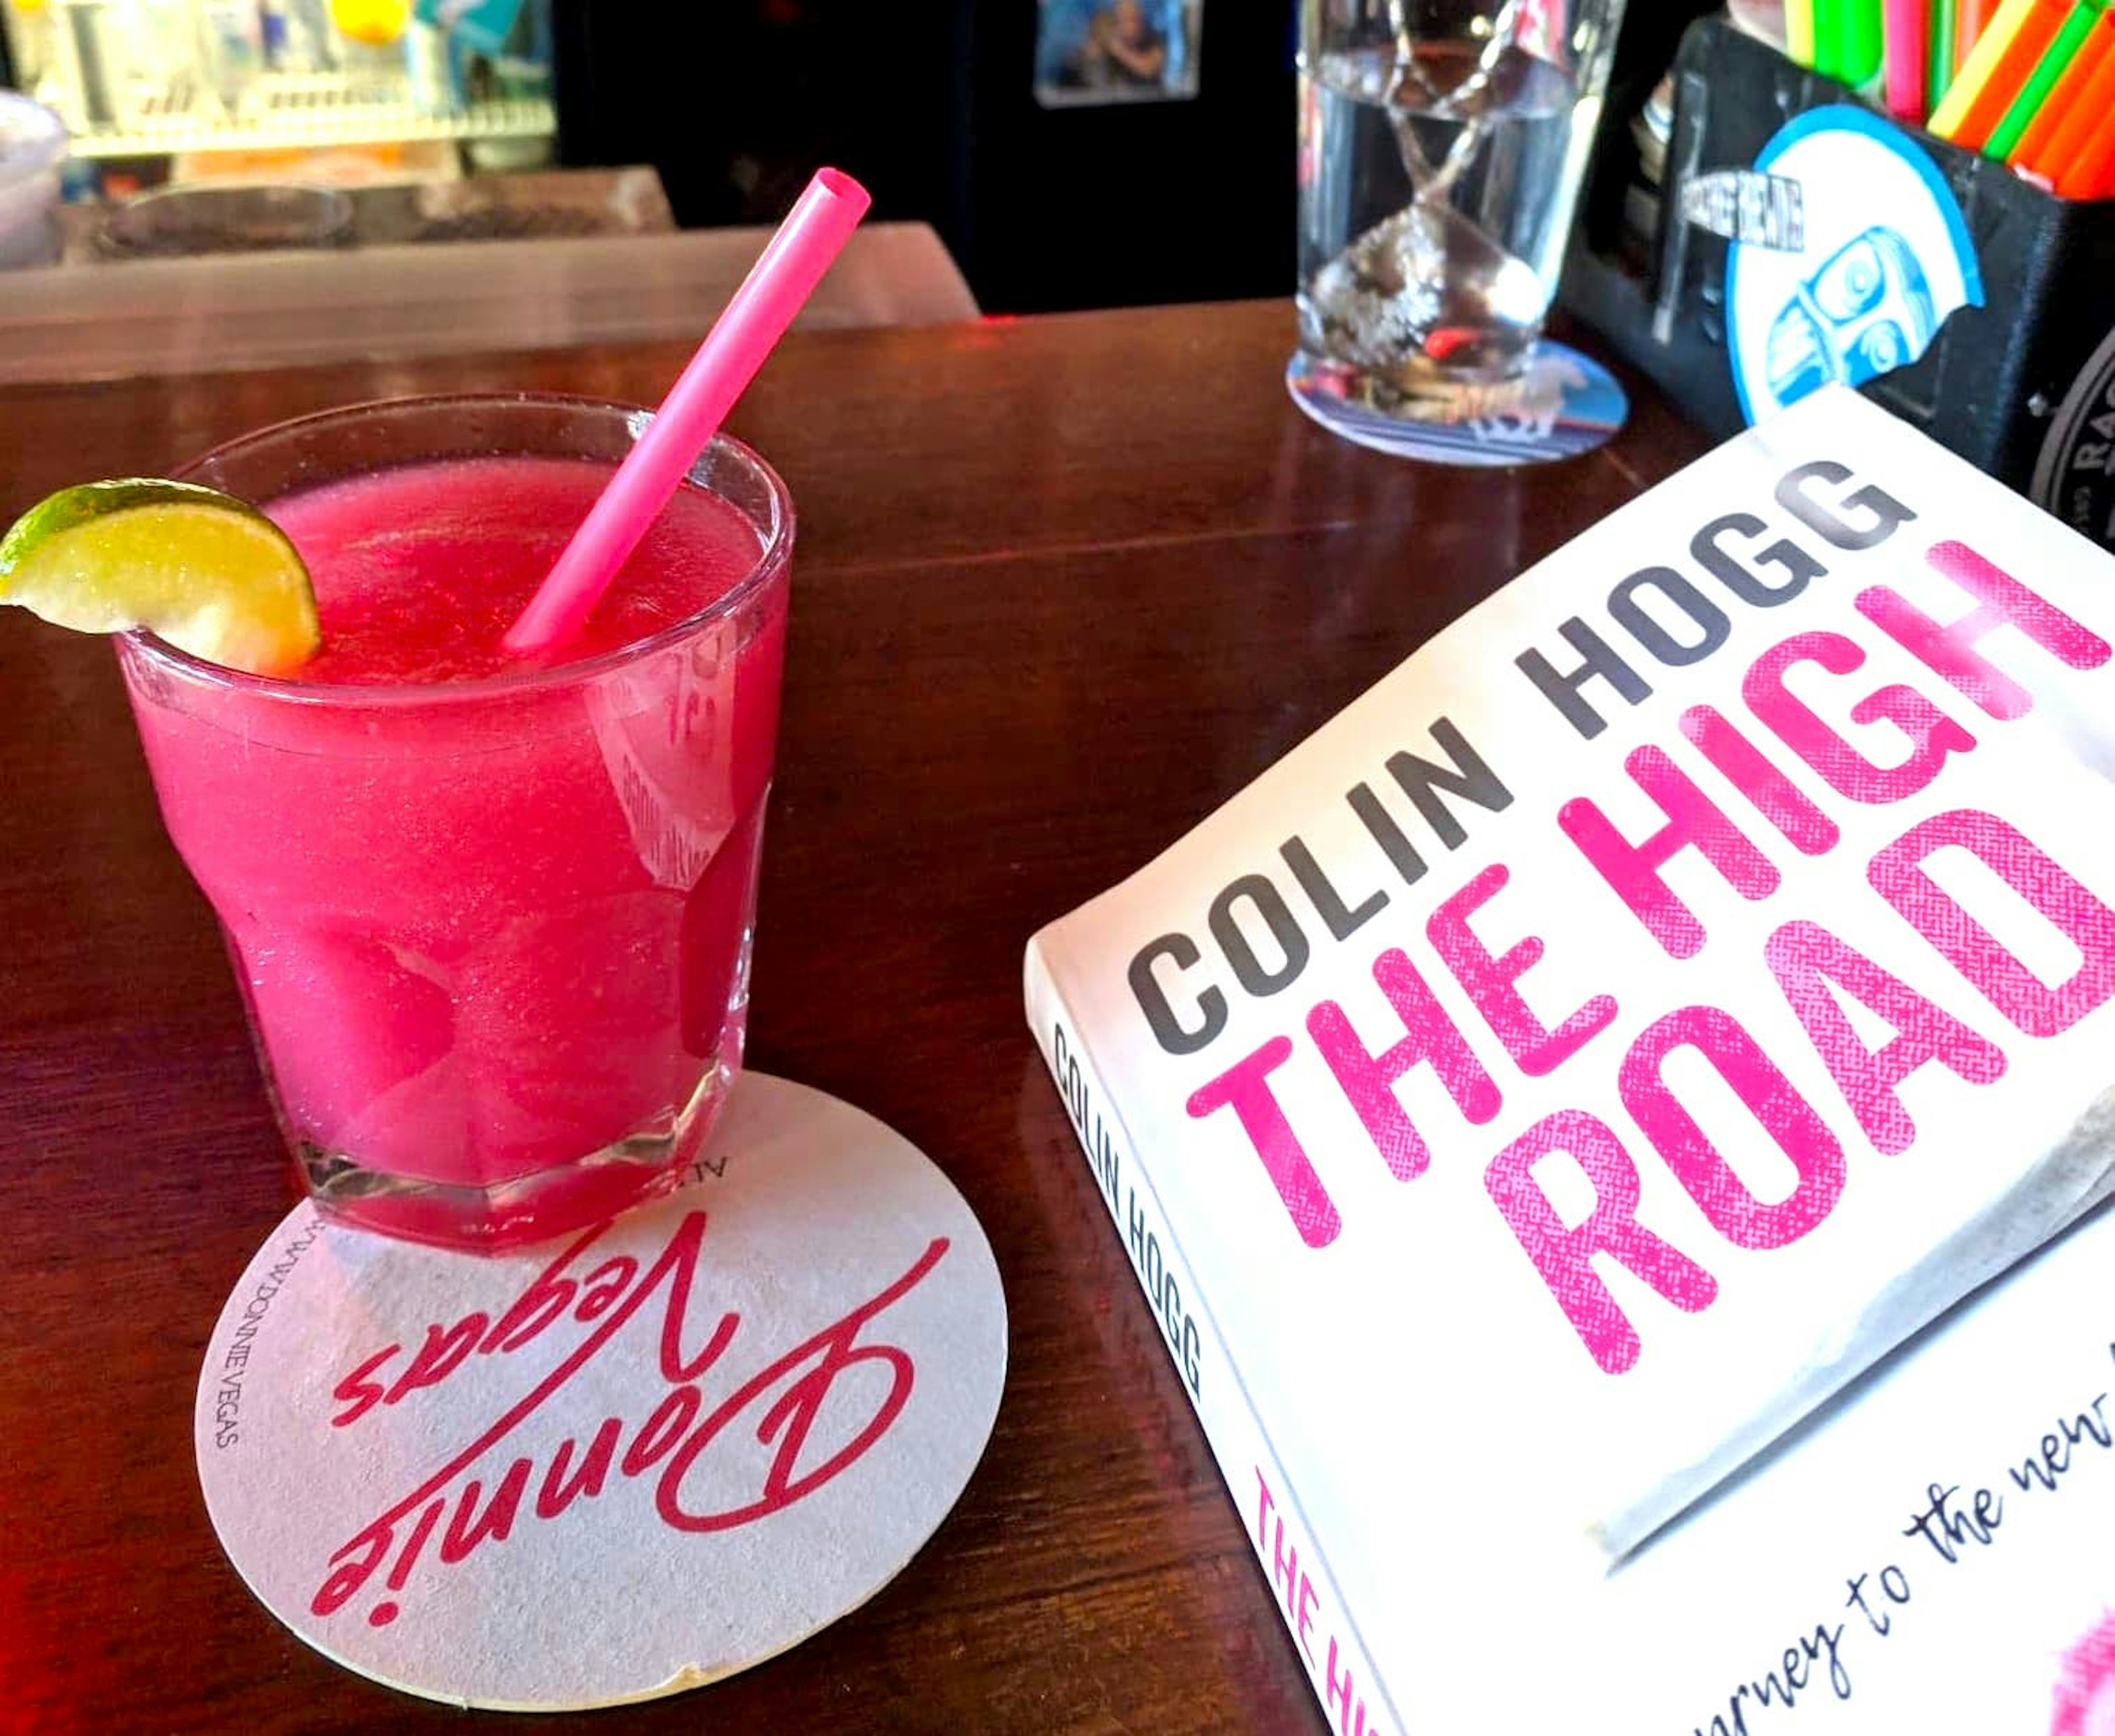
1562	403
625	1462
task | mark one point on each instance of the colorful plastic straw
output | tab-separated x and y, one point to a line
2055	62
1971	18
2072	127
1827	37
1938	62
2091	173
2003	57
2081	94
1858	41
1905	29
1798	32
812	236
1837	39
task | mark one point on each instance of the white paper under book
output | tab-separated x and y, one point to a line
1542	1106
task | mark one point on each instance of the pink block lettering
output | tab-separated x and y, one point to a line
1368	1080
1632	871
1933	735
1564	1256
1489	980
1245	1087
1346	1710
1774	795
1766	1094
1805	959
1303	1620
1299	1604
1897	874
2002	601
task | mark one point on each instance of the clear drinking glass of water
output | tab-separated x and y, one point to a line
1442	146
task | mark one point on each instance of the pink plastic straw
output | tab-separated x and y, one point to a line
781	281
1905	25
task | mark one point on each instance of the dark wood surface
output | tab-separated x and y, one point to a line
1061	586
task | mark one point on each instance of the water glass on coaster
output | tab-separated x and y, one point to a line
1443	144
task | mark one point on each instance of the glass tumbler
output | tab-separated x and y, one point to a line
1441	147
493	934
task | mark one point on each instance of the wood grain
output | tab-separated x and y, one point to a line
1062	586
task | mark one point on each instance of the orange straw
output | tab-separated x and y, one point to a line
2067	122
2091	173
2010	50
2065	96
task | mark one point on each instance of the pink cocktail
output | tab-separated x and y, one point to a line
492	922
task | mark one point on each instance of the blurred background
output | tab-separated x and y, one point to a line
953	111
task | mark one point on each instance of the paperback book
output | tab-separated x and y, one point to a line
1611	1127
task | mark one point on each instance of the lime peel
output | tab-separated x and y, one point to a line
208	573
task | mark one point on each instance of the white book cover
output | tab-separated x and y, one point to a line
1547	1109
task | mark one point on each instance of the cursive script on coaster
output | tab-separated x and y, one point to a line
633	1462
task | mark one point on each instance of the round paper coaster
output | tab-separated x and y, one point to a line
620	1464
1563	403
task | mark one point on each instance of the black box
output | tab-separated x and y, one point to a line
2022	386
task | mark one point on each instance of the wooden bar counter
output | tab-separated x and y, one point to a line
1061	586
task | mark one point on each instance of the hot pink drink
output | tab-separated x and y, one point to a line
491	923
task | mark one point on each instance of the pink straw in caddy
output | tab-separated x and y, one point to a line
781	281
1905	29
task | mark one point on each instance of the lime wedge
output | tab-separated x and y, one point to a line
208	573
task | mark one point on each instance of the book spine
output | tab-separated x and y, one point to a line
1352	1694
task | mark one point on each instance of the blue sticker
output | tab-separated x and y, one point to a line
1882	257
1562	404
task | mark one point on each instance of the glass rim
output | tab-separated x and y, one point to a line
771	560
